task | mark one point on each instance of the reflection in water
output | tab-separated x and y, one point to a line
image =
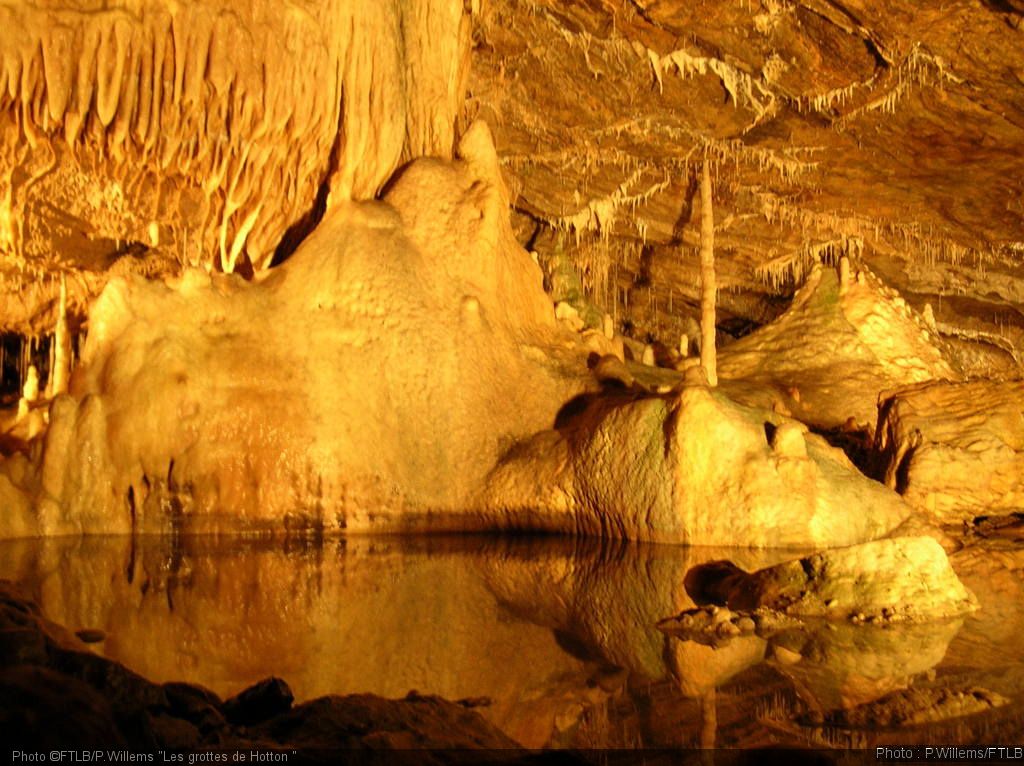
556	633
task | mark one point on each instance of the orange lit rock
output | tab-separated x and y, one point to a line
834	350
954	449
344	391
223	126
695	468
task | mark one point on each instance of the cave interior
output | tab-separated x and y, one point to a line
447	374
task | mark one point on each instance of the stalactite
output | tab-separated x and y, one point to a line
211	92
599	214
707	278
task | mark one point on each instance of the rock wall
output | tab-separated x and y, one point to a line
955	450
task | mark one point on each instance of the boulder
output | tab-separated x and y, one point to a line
691	467
954	449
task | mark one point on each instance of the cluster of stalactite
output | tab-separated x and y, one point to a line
20	352
27	360
212	129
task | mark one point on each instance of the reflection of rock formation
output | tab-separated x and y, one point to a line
548	630
539	628
909	707
830	666
841	665
994	570
898	579
376	616
54	693
606	596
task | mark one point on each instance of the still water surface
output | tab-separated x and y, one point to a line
558	635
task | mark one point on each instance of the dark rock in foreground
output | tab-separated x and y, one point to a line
55	693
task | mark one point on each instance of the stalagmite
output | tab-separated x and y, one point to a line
413	267
29	391
844	274
60	348
648	356
929	316
707	278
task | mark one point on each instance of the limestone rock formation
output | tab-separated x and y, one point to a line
205	134
329	267
348	390
835	349
188	142
954	450
690	467
880	128
364	385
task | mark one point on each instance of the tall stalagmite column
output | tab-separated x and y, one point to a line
60	373
707	279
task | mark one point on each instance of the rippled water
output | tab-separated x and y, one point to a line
559	635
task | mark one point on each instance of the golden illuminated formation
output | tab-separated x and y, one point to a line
279	280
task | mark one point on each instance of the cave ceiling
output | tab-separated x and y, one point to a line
150	136
892	131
